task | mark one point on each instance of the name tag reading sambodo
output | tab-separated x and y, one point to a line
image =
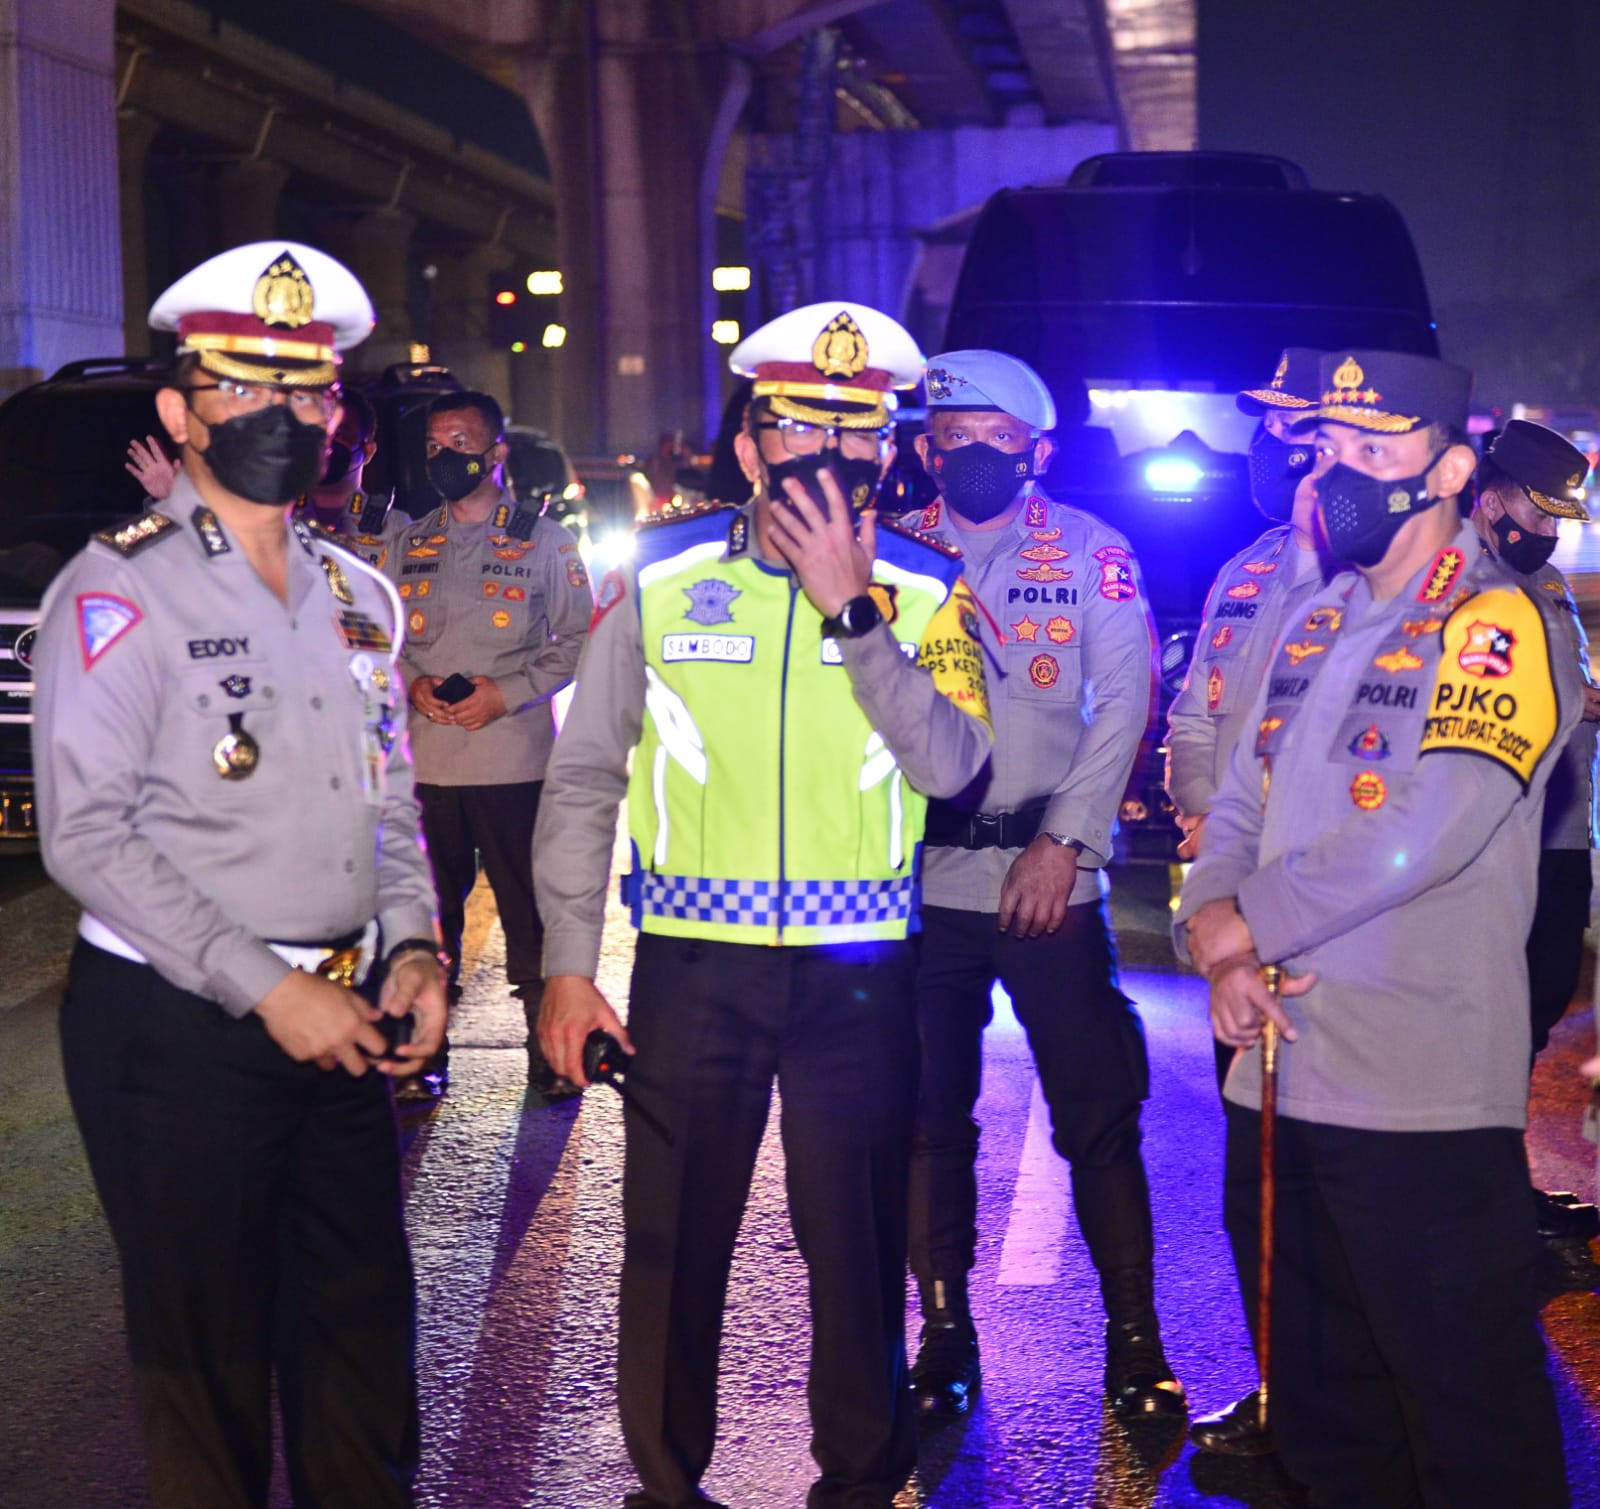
735	648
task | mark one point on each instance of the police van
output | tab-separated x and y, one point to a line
1147	291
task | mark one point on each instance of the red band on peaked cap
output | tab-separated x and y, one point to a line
220	322
876	378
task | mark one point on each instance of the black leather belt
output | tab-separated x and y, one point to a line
950	828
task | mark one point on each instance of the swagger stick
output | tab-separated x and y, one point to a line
1272	978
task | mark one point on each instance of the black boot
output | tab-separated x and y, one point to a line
945	1377
1138	1378
1563	1217
542	1079
1113	1206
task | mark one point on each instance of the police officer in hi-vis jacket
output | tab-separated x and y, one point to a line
793	683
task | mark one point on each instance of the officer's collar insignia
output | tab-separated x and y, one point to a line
235	686
210	531
136	533
302	532
283	295
1035	514
1442	574
840	349
739	534
710	602
337	580
502	515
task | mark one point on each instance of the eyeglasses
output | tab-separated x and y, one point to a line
801	439
250	398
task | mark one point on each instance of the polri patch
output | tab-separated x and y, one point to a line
103	619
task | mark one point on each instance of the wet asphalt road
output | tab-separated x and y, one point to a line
512	1211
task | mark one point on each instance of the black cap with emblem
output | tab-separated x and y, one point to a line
1545	465
1390	392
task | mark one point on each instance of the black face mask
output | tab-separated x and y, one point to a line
268	457
1276	469
340	456
1363	514
857	478
1521	551
979	480
454	474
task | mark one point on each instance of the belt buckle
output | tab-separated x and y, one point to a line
342	967
986	829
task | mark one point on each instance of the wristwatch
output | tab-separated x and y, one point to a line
1061	841
857	617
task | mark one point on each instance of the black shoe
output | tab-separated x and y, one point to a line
1235	1431
946	1376
544	1082
429	1085
1563	1217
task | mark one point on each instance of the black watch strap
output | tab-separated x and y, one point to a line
418	946
857	617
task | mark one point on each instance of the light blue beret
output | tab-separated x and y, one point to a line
990	380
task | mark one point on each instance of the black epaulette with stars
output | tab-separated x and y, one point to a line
932	541
134	534
677	513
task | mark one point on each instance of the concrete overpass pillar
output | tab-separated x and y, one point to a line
375	246
136	131
60	244
247	199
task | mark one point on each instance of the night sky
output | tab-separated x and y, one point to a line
1480	120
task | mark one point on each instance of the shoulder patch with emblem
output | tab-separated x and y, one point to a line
679	513
1493	693
909	532
103	619
133	535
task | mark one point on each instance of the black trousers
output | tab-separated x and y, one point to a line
461	823
1555	941
1407	1365
714	1024
256	1208
1088	1045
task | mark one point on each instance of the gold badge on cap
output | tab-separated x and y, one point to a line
1282	372
841	349
1349	374
283	294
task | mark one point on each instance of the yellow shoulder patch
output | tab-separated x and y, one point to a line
1493	694
952	652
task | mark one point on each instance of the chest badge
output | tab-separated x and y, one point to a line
1370	744
1044	671
710	602
1223	637
1368	791
1027	631
1060	630
236	754
1398	660
1299	652
235	686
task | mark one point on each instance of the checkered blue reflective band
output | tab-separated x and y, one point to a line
757	903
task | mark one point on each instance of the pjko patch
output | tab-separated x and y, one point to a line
1044	671
1368	791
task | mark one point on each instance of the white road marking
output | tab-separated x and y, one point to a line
1039	1207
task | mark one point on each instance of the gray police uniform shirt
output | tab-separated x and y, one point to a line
1252	597
148	656
1382	831
1069	689
1569	799
374	549
482	602
937	744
